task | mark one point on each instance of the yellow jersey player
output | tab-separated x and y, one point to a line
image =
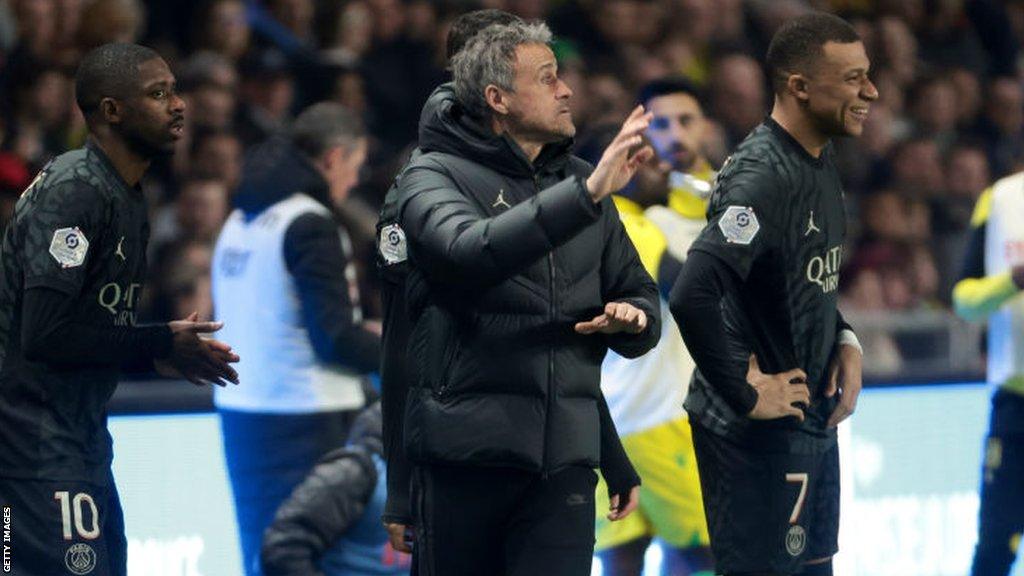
990	282
663	212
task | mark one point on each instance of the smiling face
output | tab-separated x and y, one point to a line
538	106
837	93
152	115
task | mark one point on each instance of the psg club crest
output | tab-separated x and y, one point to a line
739	224
69	246
80	559
796	540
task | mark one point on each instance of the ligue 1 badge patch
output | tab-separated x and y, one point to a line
69	246
796	540
392	244
80	559
739	224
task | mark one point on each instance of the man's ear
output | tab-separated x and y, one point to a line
797	86
112	110
496	99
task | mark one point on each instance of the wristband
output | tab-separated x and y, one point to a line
848	338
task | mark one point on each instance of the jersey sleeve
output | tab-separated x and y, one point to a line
743	216
61	234
976	294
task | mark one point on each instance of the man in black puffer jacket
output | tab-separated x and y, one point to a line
521	276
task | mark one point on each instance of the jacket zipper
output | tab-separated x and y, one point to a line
551	350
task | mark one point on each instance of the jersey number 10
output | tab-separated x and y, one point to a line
69	505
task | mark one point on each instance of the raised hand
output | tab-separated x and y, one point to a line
617	165
617	317
777	393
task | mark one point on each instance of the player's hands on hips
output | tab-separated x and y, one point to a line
777	393
622	505
401	536
617	165
844	377
197	359
617	317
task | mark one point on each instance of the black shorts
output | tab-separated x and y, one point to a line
61	528
767	512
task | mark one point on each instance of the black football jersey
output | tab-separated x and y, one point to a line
80	229
777	218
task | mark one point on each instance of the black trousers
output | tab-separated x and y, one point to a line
1001	514
503	522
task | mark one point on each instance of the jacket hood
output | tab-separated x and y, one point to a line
275	170
367	430
446	127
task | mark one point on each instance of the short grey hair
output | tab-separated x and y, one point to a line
325	125
490	58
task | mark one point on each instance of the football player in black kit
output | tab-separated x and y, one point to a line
73	264
778	368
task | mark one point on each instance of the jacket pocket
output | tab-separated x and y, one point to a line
452	350
442	349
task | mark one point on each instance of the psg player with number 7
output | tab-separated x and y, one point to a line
777	367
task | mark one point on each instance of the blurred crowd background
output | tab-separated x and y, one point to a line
950	119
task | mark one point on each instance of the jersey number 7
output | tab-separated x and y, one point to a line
802	478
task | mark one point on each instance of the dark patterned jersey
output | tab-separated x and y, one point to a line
777	219
79	229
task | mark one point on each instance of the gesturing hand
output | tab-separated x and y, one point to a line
844	376
198	360
617	165
617	317
777	393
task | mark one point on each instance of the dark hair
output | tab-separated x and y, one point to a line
469	24
110	70
323	126
799	42
666	86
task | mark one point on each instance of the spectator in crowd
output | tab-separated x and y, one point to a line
738	96
202	207
106	21
197	213
217	154
209	84
934	110
267	92
222	26
1002	124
